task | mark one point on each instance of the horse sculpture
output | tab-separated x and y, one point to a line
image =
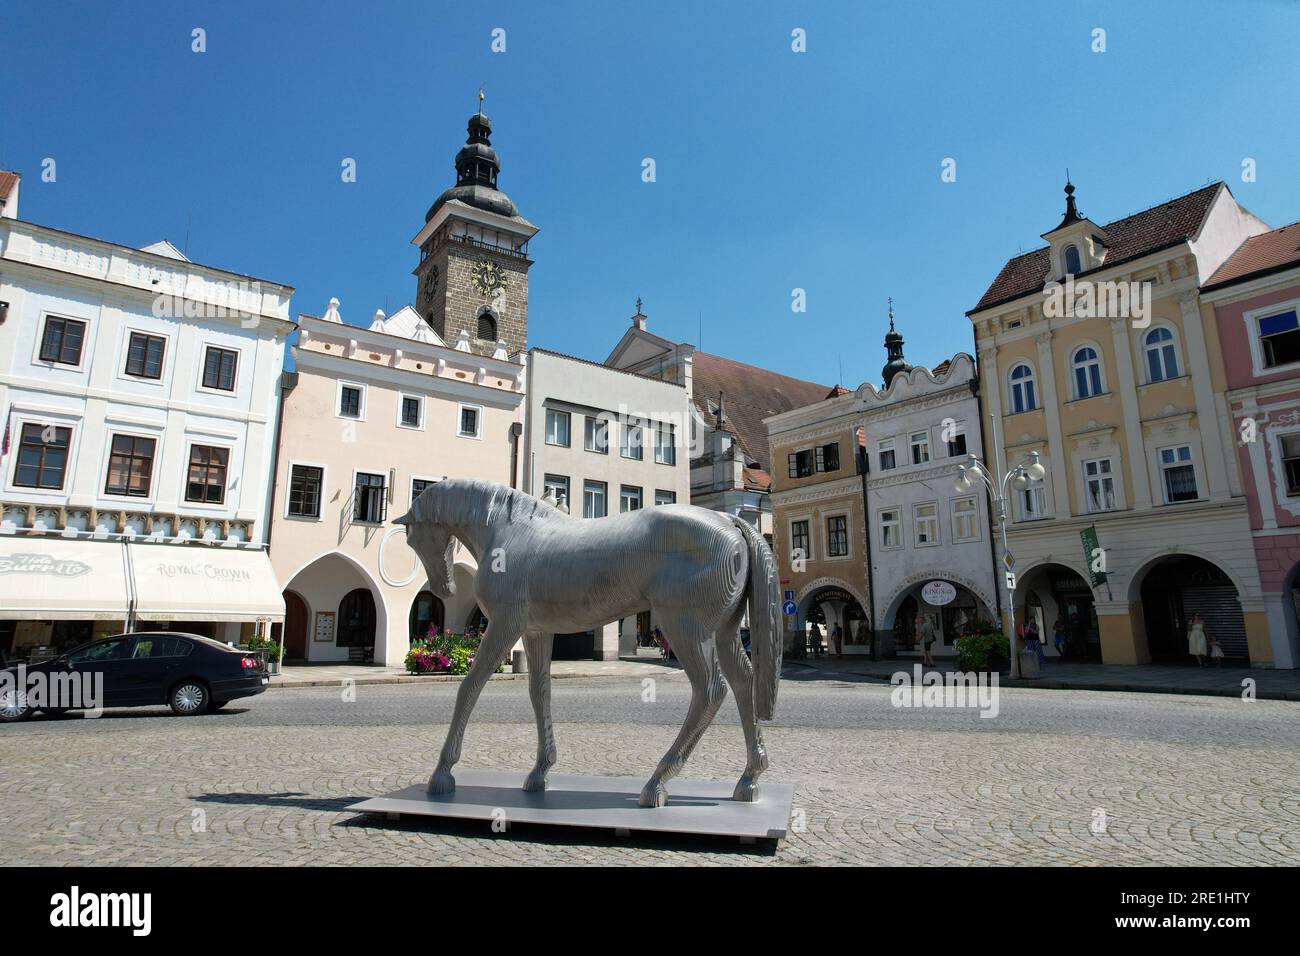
542	572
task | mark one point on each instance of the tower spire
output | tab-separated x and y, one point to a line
894	350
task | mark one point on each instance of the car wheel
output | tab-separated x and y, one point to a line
14	706
189	698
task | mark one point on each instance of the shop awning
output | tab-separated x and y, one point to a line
206	583
52	578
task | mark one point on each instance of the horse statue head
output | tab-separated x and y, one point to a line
432	541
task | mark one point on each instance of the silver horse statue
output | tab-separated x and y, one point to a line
543	572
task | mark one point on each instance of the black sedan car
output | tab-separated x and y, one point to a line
192	674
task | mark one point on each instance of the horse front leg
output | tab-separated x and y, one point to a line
539	648
497	639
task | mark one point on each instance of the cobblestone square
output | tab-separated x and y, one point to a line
1071	778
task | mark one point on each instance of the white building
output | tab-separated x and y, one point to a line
603	441
140	399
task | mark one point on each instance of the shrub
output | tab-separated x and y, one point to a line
444	652
982	647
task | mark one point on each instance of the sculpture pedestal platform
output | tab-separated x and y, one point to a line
694	806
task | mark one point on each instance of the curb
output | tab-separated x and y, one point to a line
421	679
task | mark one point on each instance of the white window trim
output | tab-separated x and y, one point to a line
1161	468
102	492
959	431
10	462
352	493
978	535
812	541
880	523
338	401
1025	515
604	488
231	471
1101	371
124	347
1175	341
912	445
410	486
671	446
1251	320
87	341
664	491
601	422
624	446
546	437
640	490
882	446
1113	475
288	485
1012	383
916	525
239	371
401	400
478	420
848	534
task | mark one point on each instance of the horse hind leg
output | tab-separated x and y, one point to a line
739	673
694	648
539	648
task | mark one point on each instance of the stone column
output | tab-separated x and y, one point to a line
1140	487
1055	441
1258	452
1207	422
605	642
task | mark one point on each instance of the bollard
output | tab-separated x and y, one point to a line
518	663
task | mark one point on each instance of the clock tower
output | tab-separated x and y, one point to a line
472	280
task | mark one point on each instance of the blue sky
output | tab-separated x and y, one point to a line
775	169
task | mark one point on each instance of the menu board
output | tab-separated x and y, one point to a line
324	627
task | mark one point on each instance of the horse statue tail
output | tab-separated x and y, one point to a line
765	638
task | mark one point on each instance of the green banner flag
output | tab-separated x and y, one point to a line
1093	556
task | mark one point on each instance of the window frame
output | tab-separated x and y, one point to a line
226	468
1283	460
974	512
831	535
557	415
1169	346
923	444
625	446
402	399
1190	464
669	451
661	492
363	400
1101	478
1094	364
590	486
1253	318
461	407
410	485
806	521
640	497
918	521
600	430
201	381
320	491
1035	491
896	524
154	460
126	373
1026	387
21	427
886	445
384	490
40	359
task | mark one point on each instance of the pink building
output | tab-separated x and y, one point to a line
1256	298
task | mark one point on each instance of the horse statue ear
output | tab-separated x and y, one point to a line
403	520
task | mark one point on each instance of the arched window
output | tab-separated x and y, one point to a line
1162	359
1023	398
1087	372
487	327
426	612
356	624
1070	256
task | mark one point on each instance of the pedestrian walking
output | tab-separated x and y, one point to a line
1196	641
1216	651
1033	640
815	640
1059	637
837	638
925	633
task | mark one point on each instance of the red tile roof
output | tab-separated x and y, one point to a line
750	394
1132	237
1260	255
7	182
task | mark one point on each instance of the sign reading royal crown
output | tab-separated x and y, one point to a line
202	569
42	564
939	593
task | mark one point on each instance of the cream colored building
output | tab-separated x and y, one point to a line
1116	380
370	417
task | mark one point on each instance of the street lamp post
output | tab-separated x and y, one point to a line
1018	478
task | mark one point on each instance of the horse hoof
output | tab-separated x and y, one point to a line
535	781
746	791
442	782
655	796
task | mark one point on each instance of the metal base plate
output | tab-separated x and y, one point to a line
694	806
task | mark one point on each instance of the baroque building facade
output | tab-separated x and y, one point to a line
1098	352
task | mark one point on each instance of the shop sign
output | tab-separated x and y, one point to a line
939	593
42	564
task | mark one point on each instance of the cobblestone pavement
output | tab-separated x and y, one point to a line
1174	780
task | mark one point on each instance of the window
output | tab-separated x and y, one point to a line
468	421
596	435
1291	463
219	368
304	491
1179	474
665	444
887	455
965	519
1162	361
1099	485
837	536
558	487
920	443
828	457
925	519
800	541
369	499
130	466
557	427
957	443
42	457
801	464
412	408
632	443
1033	501
418	485
207	478
156	646
594	499
115	650
1087	372
891	529
1073	264
487	327
144	355
665	497
629	498
350	401
1278	334
1023	398
61	341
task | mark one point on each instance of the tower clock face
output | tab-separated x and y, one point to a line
431	281
488	277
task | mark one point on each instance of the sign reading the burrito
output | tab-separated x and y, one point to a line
42	564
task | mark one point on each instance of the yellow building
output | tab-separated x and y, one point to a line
1096	352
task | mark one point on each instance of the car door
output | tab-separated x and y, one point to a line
153	666
105	661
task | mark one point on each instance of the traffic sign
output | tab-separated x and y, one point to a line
1008	560
789	607
789	595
